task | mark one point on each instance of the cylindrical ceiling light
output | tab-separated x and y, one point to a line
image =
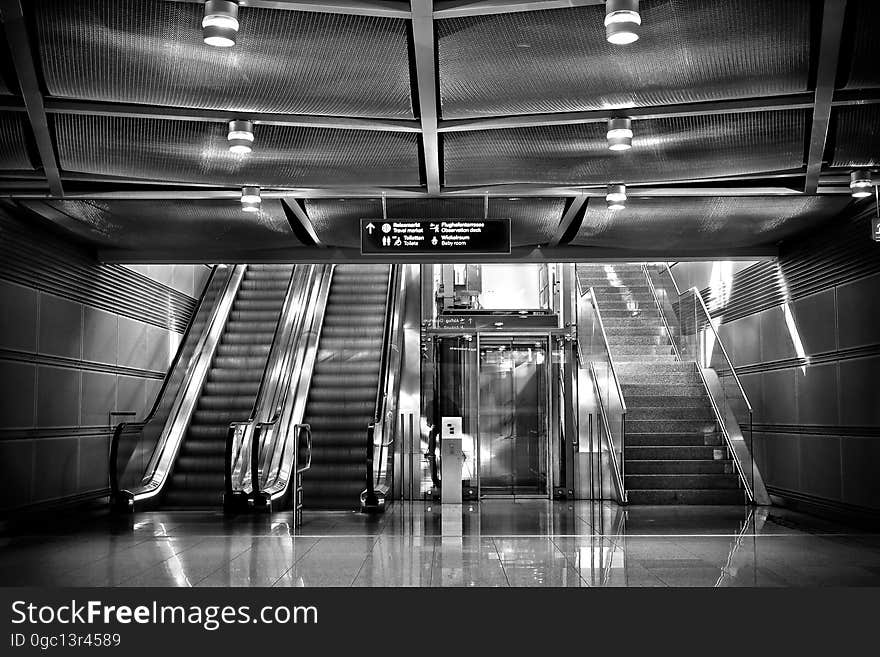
220	24
620	134
860	183
250	199
241	136
622	21
616	197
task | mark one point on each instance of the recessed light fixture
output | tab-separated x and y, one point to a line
860	183
250	199
616	197
241	136
220	24
622	21
620	134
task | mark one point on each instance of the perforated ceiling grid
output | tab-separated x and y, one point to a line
663	149
284	61
559	60
159	149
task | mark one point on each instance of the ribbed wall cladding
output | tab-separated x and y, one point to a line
13	142
863	17
532	219
679	225
284	61
196	152
157	224
559	60
856	138
838	255
663	149
37	259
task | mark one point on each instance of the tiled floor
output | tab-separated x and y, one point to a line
496	543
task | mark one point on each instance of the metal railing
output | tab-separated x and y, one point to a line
595	353
381	430
696	338
141	460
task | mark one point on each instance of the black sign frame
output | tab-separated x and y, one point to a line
415	236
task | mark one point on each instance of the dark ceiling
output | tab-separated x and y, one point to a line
748	117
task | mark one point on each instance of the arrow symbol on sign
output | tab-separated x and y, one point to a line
370	228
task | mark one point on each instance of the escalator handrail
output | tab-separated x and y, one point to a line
291	407
119	429
161	461
116	493
388	380
277	351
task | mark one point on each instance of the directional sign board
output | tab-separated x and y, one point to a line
875	228
435	236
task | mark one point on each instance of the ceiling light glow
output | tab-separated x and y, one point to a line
220	24
241	136
620	134
860	183
250	199
622	21
616	197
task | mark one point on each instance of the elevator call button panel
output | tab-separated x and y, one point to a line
385	237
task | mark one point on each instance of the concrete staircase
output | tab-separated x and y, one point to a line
674	451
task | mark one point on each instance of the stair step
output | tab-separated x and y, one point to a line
722	466
697	399
679	453
638	413
689	496
680	481
672	439
671	426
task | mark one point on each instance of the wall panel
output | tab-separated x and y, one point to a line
78	340
817	413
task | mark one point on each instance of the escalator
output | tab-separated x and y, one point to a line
342	399
231	387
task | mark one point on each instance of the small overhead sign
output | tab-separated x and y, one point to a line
875	228
435	236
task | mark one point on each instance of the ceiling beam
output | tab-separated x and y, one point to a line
335	255
426	78
741	106
461	8
571	213
292	207
25	70
351	7
833	13
375	193
94	108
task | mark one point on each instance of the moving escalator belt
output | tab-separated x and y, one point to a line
345	381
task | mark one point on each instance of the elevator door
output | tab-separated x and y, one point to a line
513	417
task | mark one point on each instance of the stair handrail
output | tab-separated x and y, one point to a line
380	430
702	305
180	414
595	304
615	466
280	463
241	437
660	309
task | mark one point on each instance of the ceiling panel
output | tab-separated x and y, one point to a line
677	148
559	60
147	51
856	137
863	18
13	142
189	151
672	226
533	220
176	226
